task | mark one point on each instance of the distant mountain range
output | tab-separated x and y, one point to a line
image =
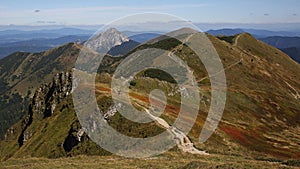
143	37
293	52
282	42
255	32
40	40
38	45
18	35
225	32
289	45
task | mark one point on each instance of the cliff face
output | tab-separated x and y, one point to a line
48	96
44	102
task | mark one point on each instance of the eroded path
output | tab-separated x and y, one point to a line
182	141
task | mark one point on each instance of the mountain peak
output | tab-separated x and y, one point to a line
104	41
175	34
182	31
112	30
186	29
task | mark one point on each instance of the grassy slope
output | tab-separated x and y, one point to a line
260	120
261	114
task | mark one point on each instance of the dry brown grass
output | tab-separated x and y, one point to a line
168	160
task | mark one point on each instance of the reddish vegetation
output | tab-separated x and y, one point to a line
169	109
235	133
102	89
172	110
139	97
254	140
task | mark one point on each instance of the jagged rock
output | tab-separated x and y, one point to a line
26	136
183	91
9	132
53	108
112	110
44	102
48	96
80	133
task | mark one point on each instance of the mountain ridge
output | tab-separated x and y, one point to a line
261	118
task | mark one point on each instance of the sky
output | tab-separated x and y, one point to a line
92	12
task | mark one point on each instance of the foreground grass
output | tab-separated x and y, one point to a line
169	160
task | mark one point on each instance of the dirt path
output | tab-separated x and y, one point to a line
182	141
171	53
293	91
236	40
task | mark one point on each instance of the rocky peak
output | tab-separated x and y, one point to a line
104	41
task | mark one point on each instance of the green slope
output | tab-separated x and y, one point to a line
261	118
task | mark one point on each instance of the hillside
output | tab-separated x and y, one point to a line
263	98
21	73
261	118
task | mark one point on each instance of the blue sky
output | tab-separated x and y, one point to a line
80	12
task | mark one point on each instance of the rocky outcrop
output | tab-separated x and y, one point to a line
9	132
48	96
80	133
44	101
112	110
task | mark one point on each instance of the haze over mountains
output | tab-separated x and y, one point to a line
258	33
289	45
261	119
40	40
